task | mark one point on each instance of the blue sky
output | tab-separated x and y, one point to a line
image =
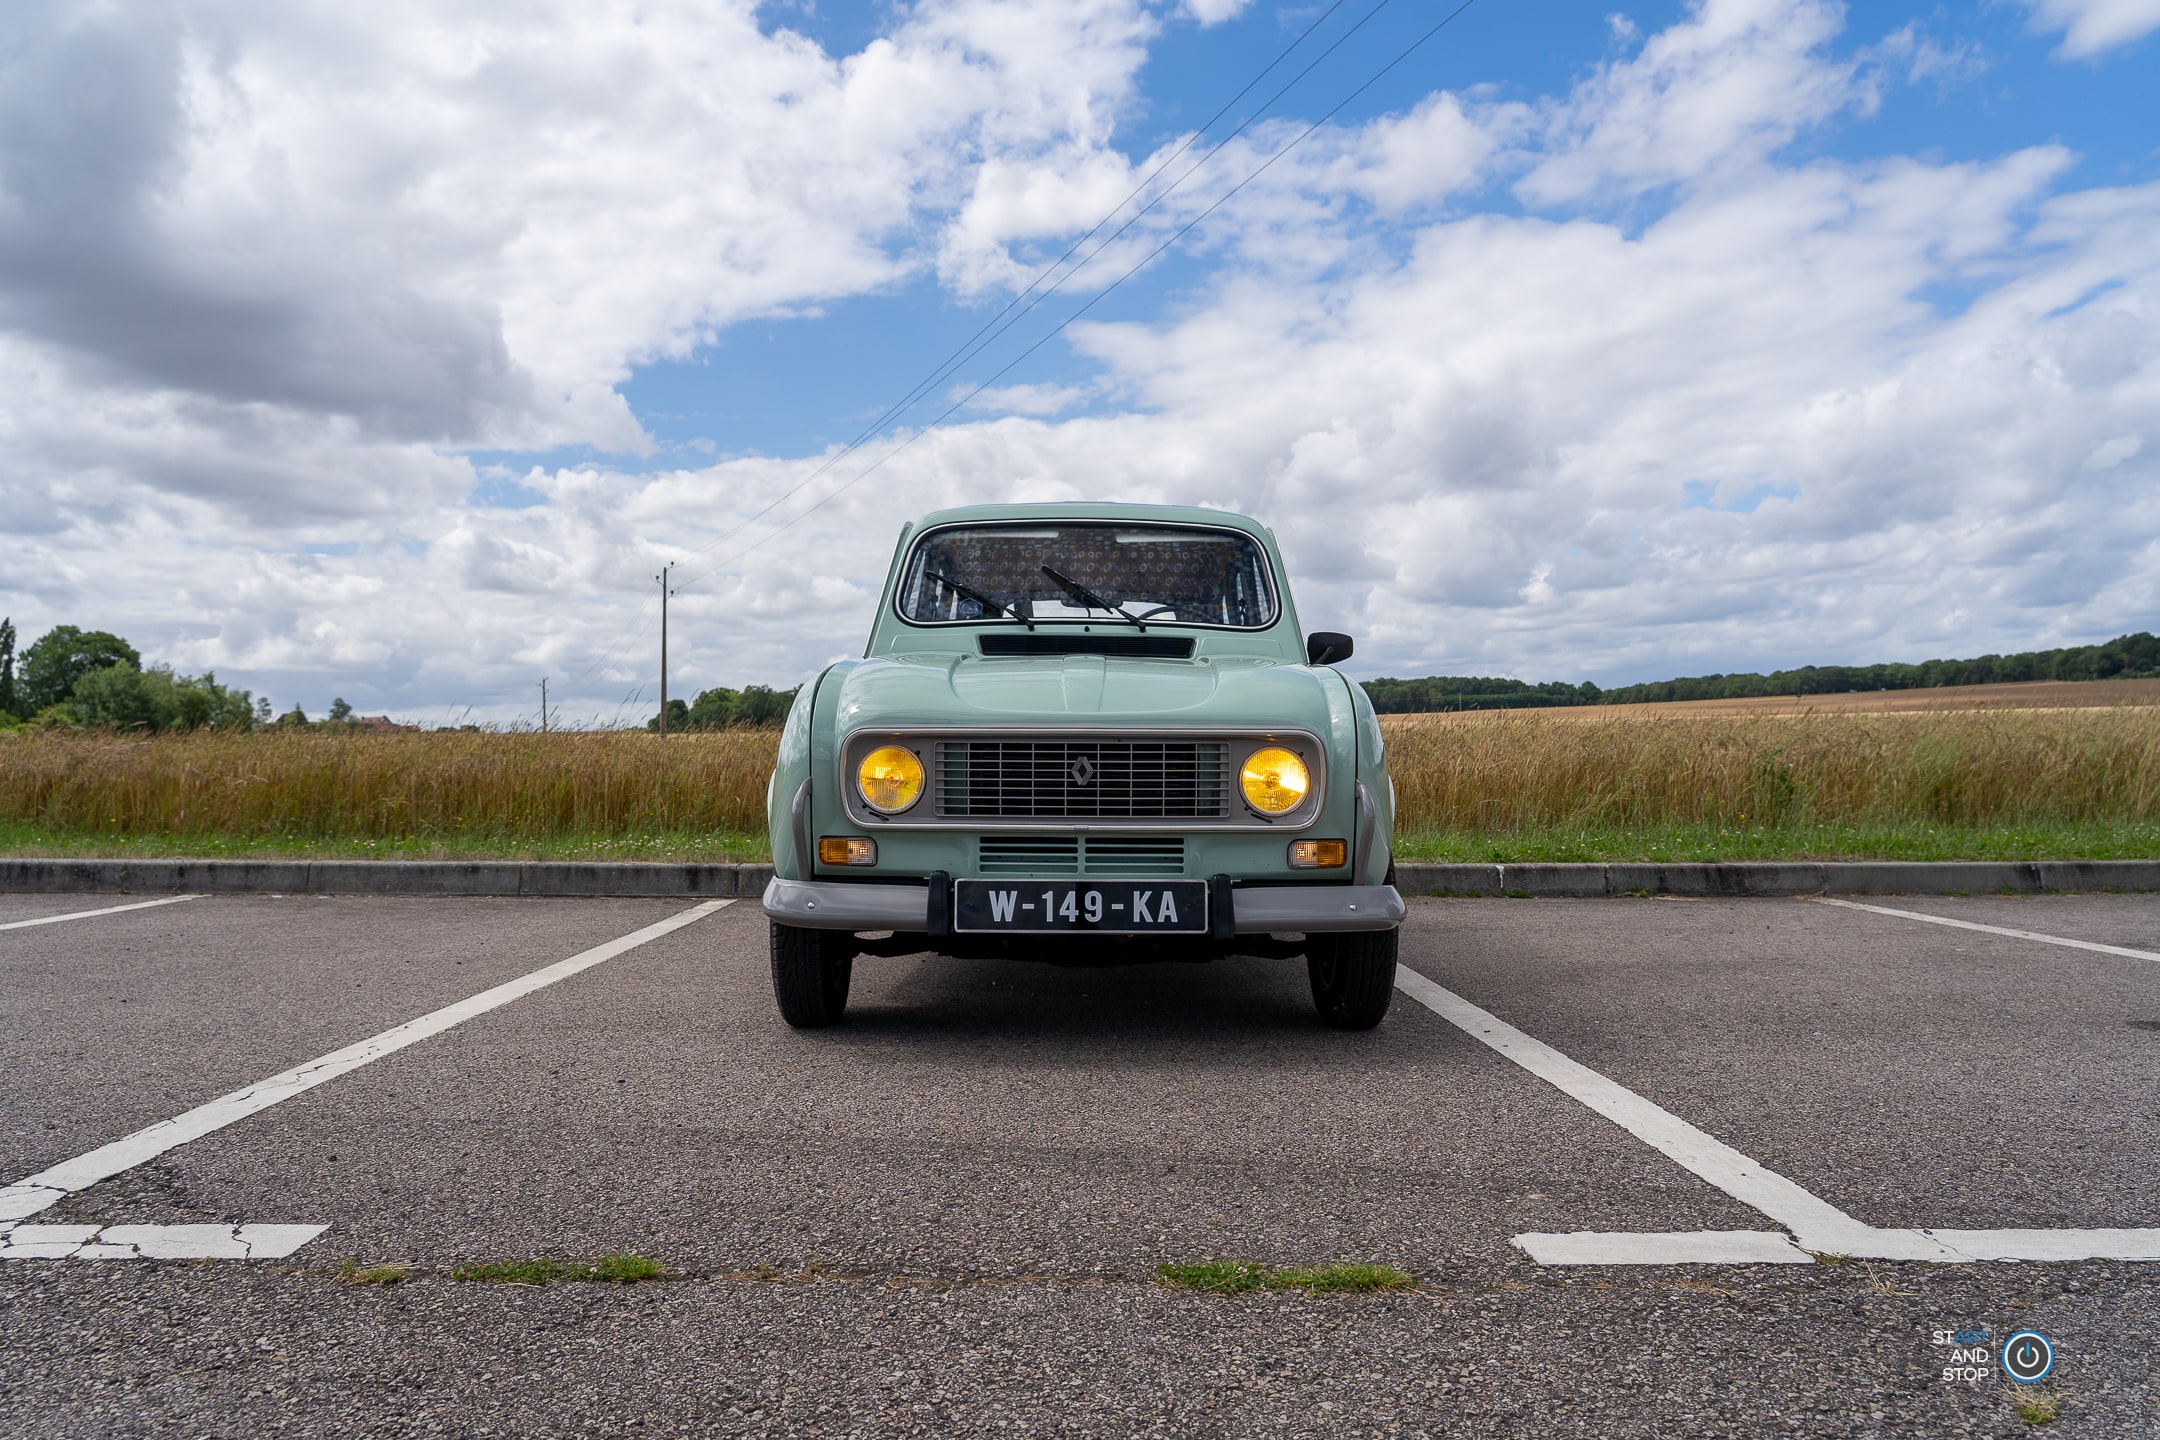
391	357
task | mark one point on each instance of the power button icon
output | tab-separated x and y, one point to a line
2027	1357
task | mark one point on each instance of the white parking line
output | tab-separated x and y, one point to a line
154	1242
1818	1227
1992	929
28	1196
87	914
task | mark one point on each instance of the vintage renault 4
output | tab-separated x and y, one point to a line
1090	734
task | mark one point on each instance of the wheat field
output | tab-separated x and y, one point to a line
309	786
1514	770
1485	774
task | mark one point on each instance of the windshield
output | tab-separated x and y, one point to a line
1167	574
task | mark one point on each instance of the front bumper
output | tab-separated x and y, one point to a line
1255	910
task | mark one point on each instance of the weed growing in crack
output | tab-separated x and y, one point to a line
608	1269
1882	1284
1236	1277
353	1273
2033	1406
624	1269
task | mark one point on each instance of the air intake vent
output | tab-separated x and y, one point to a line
1149	647
1029	854
1135	855
1138	856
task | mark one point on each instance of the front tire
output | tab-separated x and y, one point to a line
1353	977
810	974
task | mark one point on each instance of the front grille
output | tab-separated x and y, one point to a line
1137	856
1083	779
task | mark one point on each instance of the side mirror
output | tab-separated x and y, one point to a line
1325	647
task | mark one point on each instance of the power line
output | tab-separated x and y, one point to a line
1101	295
984	335
1163	195
976	343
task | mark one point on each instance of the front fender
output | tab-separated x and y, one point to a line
785	793
1376	791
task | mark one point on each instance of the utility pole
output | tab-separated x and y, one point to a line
662	577
543	705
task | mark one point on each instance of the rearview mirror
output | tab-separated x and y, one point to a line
1325	647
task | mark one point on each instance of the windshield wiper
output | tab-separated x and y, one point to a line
1018	610
1079	593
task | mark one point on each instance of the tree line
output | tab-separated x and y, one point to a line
81	678
720	708
76	679
2125	657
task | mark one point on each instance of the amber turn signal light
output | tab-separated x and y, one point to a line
1319	854
846	850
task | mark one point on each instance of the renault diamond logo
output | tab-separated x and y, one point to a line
1081	771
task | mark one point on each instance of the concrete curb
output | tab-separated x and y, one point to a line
1550	882
382	877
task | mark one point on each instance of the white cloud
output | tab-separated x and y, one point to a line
1422	156
1214	12
1024	399
1724	88
2091	26
1047	198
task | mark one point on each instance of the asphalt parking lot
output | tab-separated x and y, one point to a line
945	1216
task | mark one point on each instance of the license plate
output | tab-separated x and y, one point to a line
1107	907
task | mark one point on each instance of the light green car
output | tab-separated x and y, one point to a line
1089	734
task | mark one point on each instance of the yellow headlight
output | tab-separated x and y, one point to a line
890	778
1275	780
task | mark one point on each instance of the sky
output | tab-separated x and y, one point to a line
390	355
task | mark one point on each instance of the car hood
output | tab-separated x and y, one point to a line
967	690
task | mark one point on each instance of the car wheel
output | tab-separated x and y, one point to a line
1353	977
810	974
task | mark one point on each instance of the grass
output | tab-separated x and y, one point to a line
685	846
612	1269
2034	1406
1237	1277
1501	786
2098	839
353	1273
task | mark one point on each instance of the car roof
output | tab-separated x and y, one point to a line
1093	510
